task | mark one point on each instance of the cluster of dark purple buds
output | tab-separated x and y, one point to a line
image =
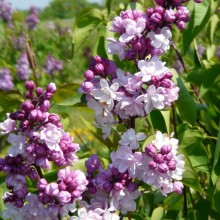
16	169
162	160
106	180
32	18
6	80
36	137
99	67
52	65
6	12
22	67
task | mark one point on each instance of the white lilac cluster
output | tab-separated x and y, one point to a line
158	166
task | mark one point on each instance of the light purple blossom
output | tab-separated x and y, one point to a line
52	135
6	81
7	126
154	98
154	67
125	160
129	138
22	67
17	144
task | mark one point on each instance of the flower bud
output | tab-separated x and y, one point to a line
39	91
170	15
181	25
163	168
107	186
150	150
99	68
64	197
29	85
149	11
48	95
158	158
87	86
52	189
178	187
18	115
45	106
165	149
89	74
53	118
118	186
51	88
156	18
159	10
97	59
152	165
172	165
27	105
42	183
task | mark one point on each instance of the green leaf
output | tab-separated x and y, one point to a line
108	5
86	22
203	208
190	177
97	133
66	96
212	27
186	104
210	75
157	121
216	161
10	100
199	17
158	214
2	207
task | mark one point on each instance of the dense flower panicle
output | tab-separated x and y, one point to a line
19	42
69	186
159	166
32	18
6	12
117	93
165	167
6	80
36	137
52	65
22	67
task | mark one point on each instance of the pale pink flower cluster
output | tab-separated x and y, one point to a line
159	166
124	95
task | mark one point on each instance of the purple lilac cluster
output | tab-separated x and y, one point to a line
32	18
6	80
36	138
63	193
116	187
19	42
22	67
52	65
6	12
158	166
112	92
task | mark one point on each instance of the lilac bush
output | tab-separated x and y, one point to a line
6	80
32	18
